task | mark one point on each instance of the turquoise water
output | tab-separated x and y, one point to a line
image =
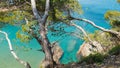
26	51
93	10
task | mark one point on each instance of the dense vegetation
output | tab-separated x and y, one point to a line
93	58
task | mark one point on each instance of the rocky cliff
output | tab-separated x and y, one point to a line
86	49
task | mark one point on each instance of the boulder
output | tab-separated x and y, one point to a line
57	53
86	49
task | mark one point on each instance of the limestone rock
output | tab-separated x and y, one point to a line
57	53
87	49
46	64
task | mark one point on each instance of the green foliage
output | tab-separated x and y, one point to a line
10	17
13	17
113	17
24	37
115	50
101	37
67	4
118	1
30	25
58	10
24	34
94	58
3	4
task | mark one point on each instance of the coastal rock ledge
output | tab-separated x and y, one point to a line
86	49
57	53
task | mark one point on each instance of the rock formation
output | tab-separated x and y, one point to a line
57	53
86	49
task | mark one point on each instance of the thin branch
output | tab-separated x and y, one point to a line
26	64
101	28
26	20
93	24
34	9
28	3
84	32
47	7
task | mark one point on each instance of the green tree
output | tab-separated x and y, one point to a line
114	19
118	1
48	10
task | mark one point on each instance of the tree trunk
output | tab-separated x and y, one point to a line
43	40
48	61
46	46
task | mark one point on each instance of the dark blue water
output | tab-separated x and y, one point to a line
93	10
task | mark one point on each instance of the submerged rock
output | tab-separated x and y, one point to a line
86	49
71	44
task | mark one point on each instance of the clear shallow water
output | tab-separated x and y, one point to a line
93	10
23	50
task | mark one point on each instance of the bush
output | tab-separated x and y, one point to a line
113	17
93	58
118	1
115	50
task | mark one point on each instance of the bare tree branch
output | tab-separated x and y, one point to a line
26	20
101	28
34	9
47	7
26	64
84	32
93	24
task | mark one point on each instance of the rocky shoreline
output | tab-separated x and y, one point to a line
87	49
111	61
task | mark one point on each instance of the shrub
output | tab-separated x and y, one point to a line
115	50
118	1
113	17
93	58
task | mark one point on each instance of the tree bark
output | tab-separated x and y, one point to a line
43	40
46	47
26	64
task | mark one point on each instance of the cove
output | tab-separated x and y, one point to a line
93	10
